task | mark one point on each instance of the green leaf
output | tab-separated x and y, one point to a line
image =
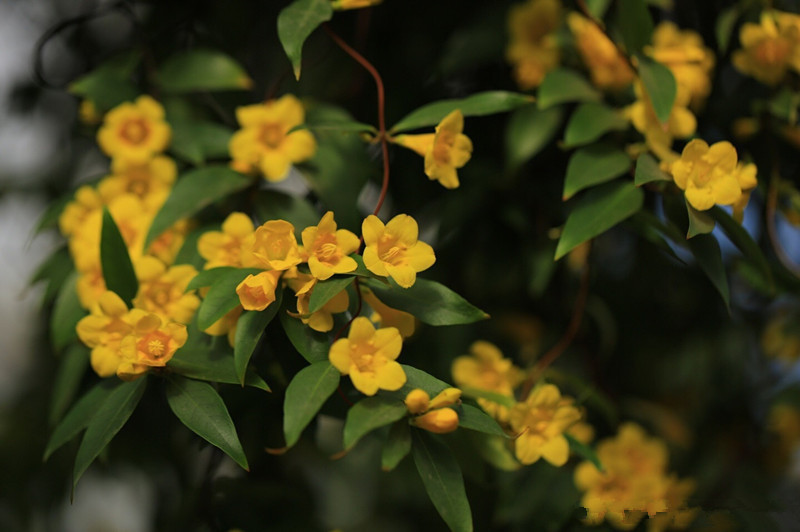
249	330
583	450
700	222
306	394
222	297
495	450
563	85
648	170
109	84
598	211
635	24
442	479
479	104
742	239
116	263
361	270
784	105
594	165
431	302
209	277
202	70
590	121
489	396
296	22
112	414
369	414
70	373
472	418
50	216
67	312
197	141
529	130
311	344
723	30
705	249
274	205
194	191
55	271
416	378
203	411
323	291
397	446
660	85
79	416
598	8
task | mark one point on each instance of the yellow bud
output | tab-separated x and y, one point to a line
447	397
417	401
440	421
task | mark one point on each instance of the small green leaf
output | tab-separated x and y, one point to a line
249	330
784	105
700	222
742	239
442	479
67	312
593	165
296	22
369	414
660	85
194	191
70	373
583	450
306	394
202	70
222	297
209	277
648	170
723	30
431	302
79	416
311	344
489	396
197	141
563	85
472	418
598	211
590	121
109	418
480	104
598	8
705	249
397	446
635	24
529	130
203	411
325	290
116	263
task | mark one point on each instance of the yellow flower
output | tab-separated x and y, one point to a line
439	421
90	286
103	330
275	246
541	422
162	291
608	67
707	174
257	292
394	249
264	142
150	180
88	113
385	316
770	48
487	369
134	131
341	5
677	516
369	357
690	62
226	325
681	122
417	401
533	50
225	248
322	319
151	345
85	201
328	248
445	151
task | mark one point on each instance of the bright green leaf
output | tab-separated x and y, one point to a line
563	85
593	165
583	450
116	263
306	394
202	70
311	344
705	249
249	330
472	418
197	141
648	170
67	312
529	130
660	85
700	222
325	290
209	277
296	22
590	121
369	414
222	297
397	446
635	24
70	373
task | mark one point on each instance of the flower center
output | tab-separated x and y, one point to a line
271	135
327	251
772	51
134	131
154	345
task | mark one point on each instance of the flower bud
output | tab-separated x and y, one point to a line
447	397
440	421
417	401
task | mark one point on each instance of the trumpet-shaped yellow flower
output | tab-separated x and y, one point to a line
152	344
226	325
533	50
369	357
708	174
275	246
439	421
135	131
75	213
264	142
607	66
677	516
257	292
385	316
394	249
322	319
541	422
486	369
90	287
770	48
225	248
150	180
103	330
162	290
659	137
328	248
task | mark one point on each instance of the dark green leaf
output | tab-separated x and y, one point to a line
325	290
482	103
700	222
784	105
197	141
311	344
188	254
416	378
726	21
635	23
529	130
495	450
598	8
249	330
67	312
116	263
306	394
274	205
361	270
742	239
108	85
369	414
222	297
112	414
472	418
202	70
49	218
660	85
563	85
397	446
210	276
594	165
54	271
583	450
194	191
590	121
431	302
489	396
598	211
203	411
442	479
296	22
705	249
68	379
648	170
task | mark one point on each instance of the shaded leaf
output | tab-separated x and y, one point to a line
563	85
296	22
196	141
590	121
325	290
209	277
369	414
67	312
660	85
529	130
635	24
202	70
416	378
55	271
116	264
221	297
705	249
70	373
249	330
274	205
700	222
397	446
742	239
583	450
311	344
726	21
648	170
470	417
109	84
489	396
594	165
306	394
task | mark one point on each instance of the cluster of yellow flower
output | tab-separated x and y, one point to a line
434	415
771	48
128	341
